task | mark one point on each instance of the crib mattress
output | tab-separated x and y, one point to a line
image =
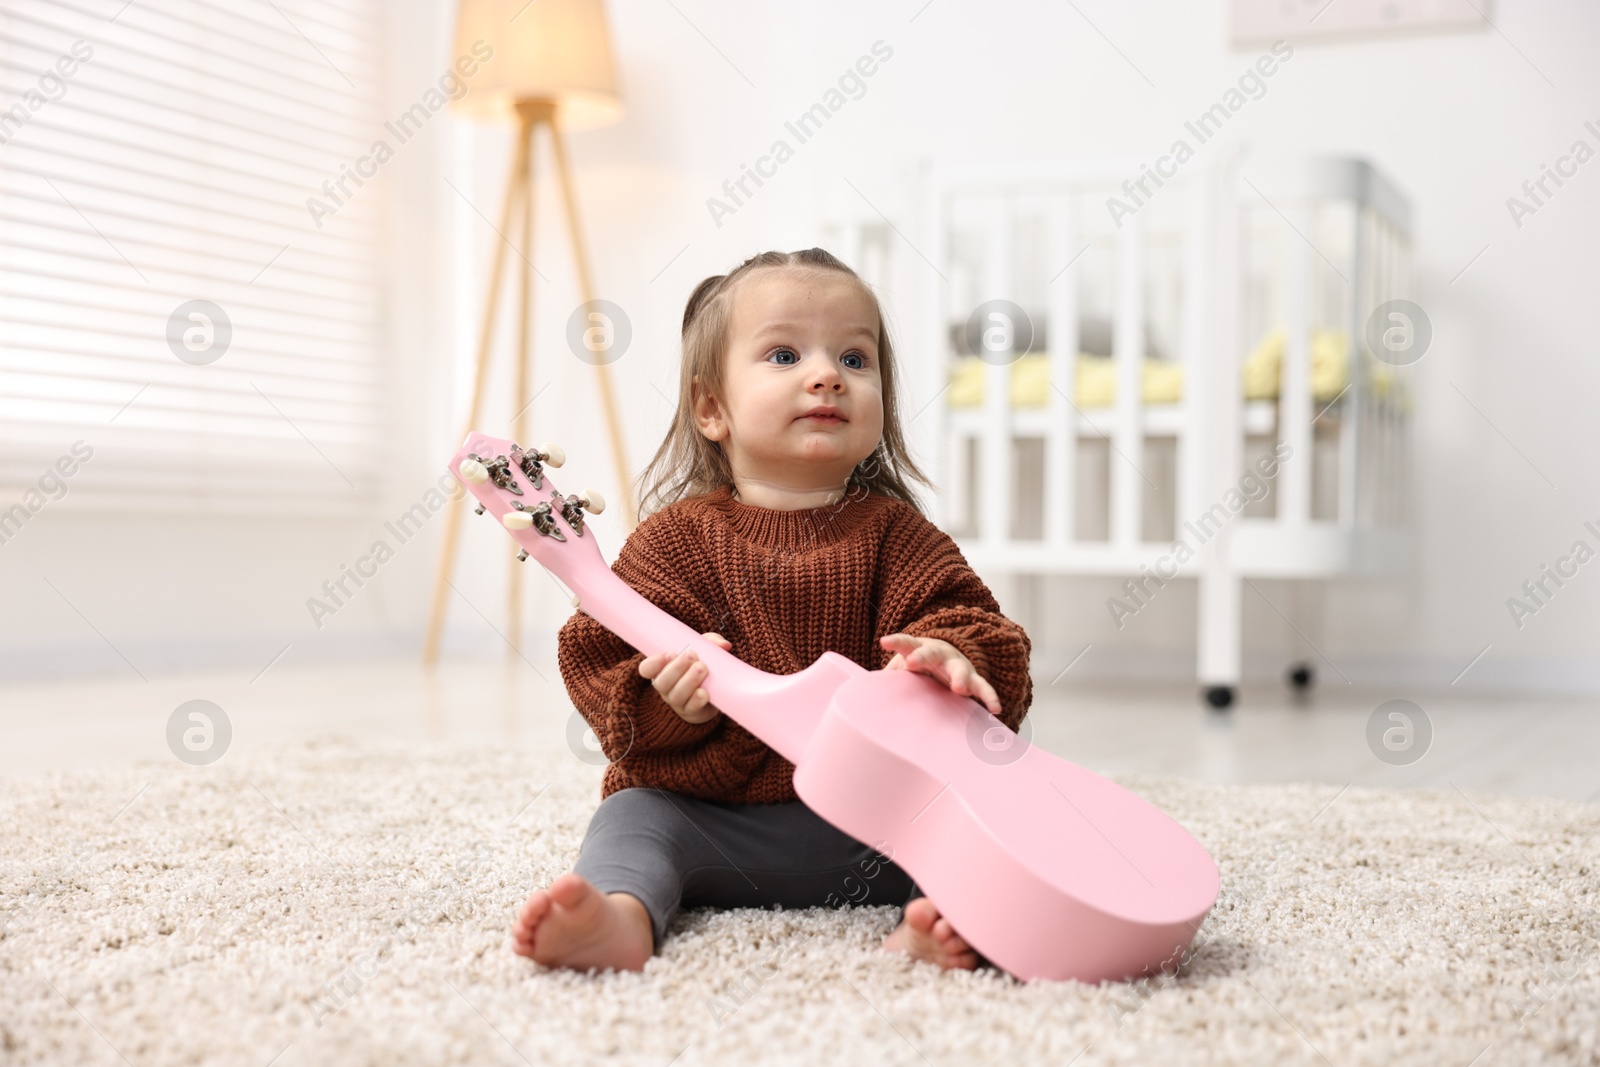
1162	380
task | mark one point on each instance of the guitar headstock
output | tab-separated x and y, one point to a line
512	484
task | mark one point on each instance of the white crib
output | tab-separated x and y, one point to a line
1036	481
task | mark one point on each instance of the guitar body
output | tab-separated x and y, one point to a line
1049	870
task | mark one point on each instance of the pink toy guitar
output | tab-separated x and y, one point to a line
1049	870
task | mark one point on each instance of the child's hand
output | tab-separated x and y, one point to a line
941	660
678	680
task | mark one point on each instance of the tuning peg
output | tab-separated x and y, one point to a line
593	502
554	454
517	520
478	510
474	472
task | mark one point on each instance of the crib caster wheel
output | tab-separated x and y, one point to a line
1301	677
474	472
1220	697
554	455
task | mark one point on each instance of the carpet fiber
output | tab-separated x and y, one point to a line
345	903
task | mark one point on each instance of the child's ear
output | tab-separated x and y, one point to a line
708	417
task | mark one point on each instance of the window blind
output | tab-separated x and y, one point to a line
162	152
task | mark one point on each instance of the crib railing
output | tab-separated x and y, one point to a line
1059	196
1198	269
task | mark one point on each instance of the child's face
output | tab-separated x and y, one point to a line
797	341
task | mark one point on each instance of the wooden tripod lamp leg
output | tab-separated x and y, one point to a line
447	549
519	421
619	454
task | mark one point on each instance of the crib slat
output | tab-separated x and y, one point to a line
1380	411
1220	435
1197	358
1061	432
1406	282
999	467
1294	384
1127	461
1351	476
927	408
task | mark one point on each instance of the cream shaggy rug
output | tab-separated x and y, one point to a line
348	904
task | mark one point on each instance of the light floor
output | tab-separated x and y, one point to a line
1538	745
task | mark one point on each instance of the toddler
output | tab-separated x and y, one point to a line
780	525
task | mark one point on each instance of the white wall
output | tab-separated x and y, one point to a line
1458	120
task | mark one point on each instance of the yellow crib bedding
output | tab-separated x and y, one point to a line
1096	384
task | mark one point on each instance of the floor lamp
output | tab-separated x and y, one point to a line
549	65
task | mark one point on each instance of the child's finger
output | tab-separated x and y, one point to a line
925	660
932	662
666	672
697	703
918	654
678	697
966	681
691	678
986	693
670	671
902	644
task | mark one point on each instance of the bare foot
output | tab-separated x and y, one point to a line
925	935
573	924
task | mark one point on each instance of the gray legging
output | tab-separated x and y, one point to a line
673	851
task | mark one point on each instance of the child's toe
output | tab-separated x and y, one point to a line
569	890
922	915
534	909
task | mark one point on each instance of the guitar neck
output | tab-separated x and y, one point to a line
782	710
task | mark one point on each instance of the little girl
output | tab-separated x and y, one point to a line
780	526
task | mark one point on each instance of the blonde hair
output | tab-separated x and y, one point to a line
688	464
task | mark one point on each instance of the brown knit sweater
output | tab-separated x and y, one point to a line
783	587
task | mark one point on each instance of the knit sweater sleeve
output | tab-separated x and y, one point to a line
646	742
928	590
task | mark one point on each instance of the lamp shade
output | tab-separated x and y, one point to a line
556	50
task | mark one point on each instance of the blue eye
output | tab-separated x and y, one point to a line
858	365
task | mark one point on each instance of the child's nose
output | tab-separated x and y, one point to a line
826	376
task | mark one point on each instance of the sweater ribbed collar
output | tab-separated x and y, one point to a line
793	531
